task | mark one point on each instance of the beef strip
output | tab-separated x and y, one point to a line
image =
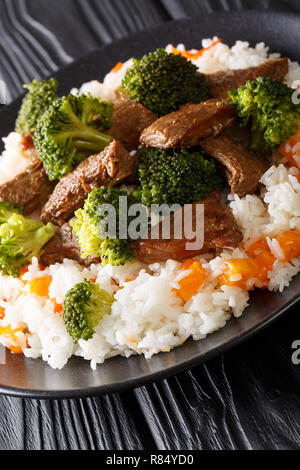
186	127
129	119
64	245
243	168
221	83
220	231
109	168
31	188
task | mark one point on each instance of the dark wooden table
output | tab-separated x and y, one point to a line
246	399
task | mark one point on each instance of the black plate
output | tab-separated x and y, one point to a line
34	378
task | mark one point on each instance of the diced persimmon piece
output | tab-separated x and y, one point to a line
264	261
290	244
117	67
262	256
286	149
15	349
258	247
40	286
2	313
195	55
9	333
187	264
58	308
246	268
190	284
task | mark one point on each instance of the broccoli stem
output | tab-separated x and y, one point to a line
91	140
256	138
92	146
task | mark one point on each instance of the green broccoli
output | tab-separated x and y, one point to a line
115	252
91	231
163	82
38	99
84	307
6	210
175	176
70	131
267	106
21	239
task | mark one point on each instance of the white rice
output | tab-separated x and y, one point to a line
13	161
218	58
147	316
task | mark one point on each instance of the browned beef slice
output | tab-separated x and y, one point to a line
221	83
243	168
220	231
129	119
186	127
64	245
30	189
109	168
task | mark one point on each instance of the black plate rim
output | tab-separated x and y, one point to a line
149	378
175	369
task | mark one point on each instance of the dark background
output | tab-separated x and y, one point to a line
246	399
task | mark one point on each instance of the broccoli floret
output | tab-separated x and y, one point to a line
21	239
84	307
163	82
38	99
86	230
266	105
175	176
70	131
91	231
6	210
115	252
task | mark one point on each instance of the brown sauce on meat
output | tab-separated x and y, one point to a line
220	231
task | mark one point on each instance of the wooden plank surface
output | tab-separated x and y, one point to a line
246	399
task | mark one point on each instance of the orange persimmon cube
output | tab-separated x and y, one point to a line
264	261
187	264
191	283
257	247
286	149
9	333
290	244
242	269
117	67
40	286
2	313
58	308
195	55
15	349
